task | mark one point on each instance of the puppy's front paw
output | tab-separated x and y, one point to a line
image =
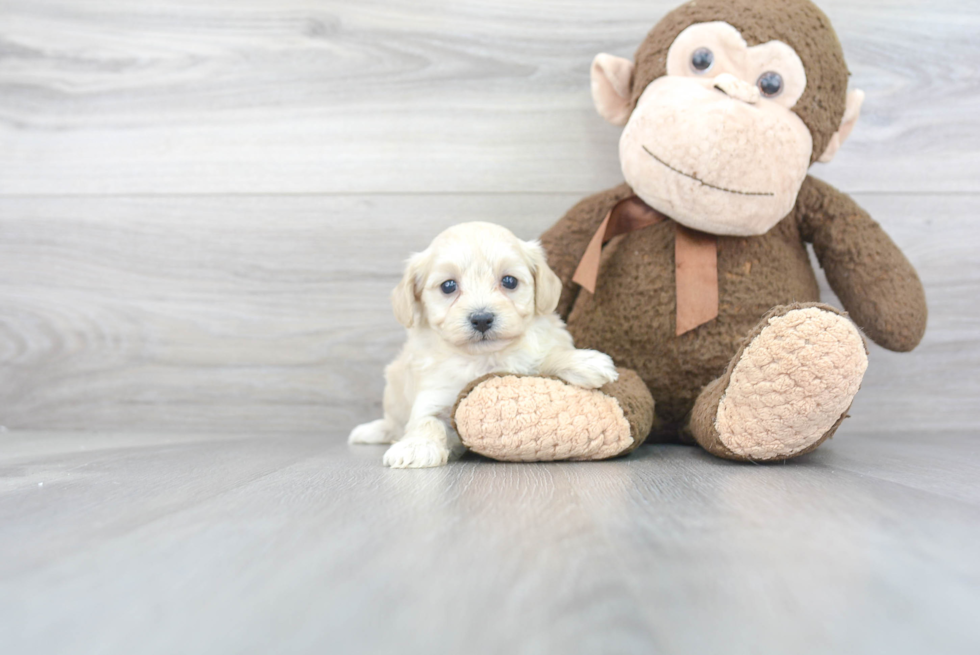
374	432
589	369
416	453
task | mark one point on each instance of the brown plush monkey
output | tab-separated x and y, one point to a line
694	275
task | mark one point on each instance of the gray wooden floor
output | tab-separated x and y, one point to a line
123	543
203	207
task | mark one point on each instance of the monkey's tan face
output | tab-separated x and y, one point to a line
714	144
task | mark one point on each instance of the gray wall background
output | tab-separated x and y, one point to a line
203	206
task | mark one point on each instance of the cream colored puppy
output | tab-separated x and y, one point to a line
478	300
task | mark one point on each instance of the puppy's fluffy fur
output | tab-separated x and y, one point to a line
472	326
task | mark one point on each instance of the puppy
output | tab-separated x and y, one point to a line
478	300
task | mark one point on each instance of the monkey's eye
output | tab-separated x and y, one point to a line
701	60
448	287
770	84
509	282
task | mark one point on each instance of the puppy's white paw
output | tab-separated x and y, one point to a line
589	369
374	432
416	453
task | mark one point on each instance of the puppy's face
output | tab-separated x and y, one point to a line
477	286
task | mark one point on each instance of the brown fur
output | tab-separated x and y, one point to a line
636	402
872	277
631	315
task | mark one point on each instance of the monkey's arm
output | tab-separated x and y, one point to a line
565	241
873	279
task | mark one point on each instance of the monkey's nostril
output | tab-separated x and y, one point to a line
739	91
481	321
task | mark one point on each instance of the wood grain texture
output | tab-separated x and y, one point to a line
203	208
300	544
271	313
298	96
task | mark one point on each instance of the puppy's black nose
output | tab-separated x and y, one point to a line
481	321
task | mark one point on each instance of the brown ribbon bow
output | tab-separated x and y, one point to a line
695	260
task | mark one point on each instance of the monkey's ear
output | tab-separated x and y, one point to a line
612	83
404	298
852	111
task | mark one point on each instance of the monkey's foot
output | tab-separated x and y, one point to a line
531	419
787	390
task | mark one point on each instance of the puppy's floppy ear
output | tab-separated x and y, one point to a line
547	285
405	297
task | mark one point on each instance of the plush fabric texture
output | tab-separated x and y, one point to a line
703	428
695	261
631	315
736	57
798	23
855	100
521	418
610	78
793	381
626	216
637	404
875	281
711	384
566	241
713	163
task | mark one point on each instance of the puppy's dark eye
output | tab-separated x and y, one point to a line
771	84
509	282
448	287
701	60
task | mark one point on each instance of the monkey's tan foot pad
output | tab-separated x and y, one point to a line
792	384
532	419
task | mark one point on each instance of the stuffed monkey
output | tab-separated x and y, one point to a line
693	274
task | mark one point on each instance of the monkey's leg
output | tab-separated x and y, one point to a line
531	419
786	390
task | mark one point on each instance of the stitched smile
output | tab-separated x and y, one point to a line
700	181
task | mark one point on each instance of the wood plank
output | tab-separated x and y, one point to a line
407	96
270	313
301	544
912	459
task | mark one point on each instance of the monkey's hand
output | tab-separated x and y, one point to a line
873	279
